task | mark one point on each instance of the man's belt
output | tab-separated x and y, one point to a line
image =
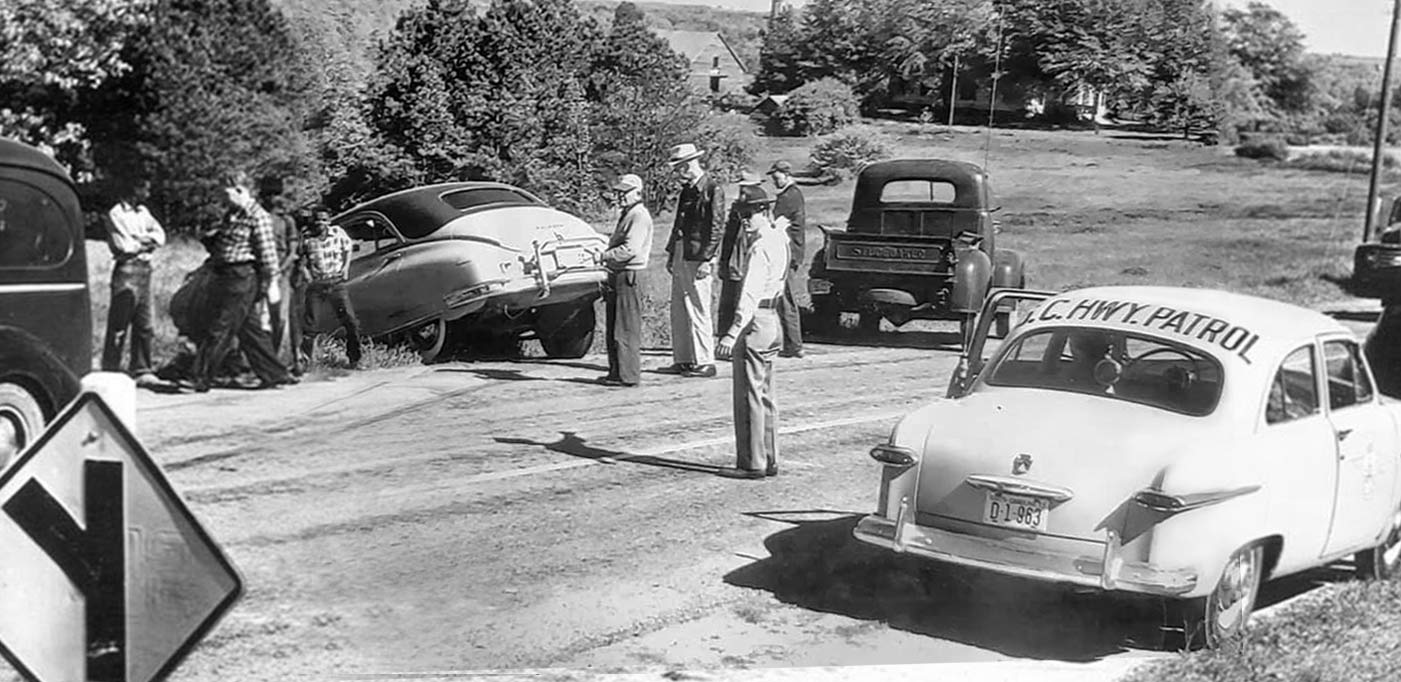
768	302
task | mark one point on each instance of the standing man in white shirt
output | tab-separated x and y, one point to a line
755	336
133	235
625	259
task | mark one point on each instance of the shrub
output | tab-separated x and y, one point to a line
850	150
1263	148
730	143
817	108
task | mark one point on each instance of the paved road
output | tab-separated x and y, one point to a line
511	515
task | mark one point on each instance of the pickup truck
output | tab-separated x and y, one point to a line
920	243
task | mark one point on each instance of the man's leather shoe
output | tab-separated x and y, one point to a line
771	471
701	372
678	368
735	472
608	380
791	353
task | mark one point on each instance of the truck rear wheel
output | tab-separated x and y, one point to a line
869	322
826	315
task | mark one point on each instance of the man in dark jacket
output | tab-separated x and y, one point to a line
690	249
789	204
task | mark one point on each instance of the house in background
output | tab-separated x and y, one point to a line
715	68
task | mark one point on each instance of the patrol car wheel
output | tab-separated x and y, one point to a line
1384	560
573	337
1224	614
21	421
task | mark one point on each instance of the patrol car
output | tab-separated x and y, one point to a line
1183	443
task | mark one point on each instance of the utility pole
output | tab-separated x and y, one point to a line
1379	145
953	88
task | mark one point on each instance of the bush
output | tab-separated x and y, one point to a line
817	108
850	150
1341	161
730	144
1263	148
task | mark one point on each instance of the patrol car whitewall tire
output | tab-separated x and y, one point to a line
21	421
1384	560
1224	614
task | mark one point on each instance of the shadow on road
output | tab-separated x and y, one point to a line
922	339
571	444
818	565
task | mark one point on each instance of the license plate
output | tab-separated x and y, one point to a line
1015	511
573	258
819	286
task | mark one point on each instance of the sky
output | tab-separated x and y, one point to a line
1353	27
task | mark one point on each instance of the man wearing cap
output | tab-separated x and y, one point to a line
788	203
695	236
625	259
754	337
731	266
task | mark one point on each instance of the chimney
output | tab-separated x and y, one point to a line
776	7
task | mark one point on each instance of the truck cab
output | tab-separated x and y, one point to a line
920	243
45	314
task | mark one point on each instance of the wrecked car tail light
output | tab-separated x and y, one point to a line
893	455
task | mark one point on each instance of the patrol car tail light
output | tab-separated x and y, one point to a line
1173	504
893	454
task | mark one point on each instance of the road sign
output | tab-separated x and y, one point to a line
105	575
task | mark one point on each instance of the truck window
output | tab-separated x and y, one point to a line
917	191
34	231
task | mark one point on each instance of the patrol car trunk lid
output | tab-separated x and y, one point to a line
1042	462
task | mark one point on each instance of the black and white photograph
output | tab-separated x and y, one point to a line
714	340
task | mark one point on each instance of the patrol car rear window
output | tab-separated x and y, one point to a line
34	232
1116	365
467	199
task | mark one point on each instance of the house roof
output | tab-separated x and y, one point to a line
692	43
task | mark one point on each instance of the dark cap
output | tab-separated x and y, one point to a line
753	195
781	166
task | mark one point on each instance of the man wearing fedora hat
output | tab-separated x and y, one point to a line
754	338
625	259
695	235
788	203
731	266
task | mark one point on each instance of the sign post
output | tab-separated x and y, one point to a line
106	576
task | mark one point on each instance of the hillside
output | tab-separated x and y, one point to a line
349	29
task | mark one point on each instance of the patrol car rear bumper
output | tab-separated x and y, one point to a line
1108	571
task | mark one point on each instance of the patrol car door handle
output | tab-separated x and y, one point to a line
1343	434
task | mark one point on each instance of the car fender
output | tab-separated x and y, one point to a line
971	276
1008	270
27	360
1202	539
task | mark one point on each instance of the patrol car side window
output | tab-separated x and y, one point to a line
1347	382
1294	391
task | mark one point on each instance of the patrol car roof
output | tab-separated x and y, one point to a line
1244	325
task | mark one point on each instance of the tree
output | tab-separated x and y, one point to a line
212	86
500	95
779	68
1271	47
50	53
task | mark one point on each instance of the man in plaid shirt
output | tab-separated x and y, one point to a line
326	255
245	264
